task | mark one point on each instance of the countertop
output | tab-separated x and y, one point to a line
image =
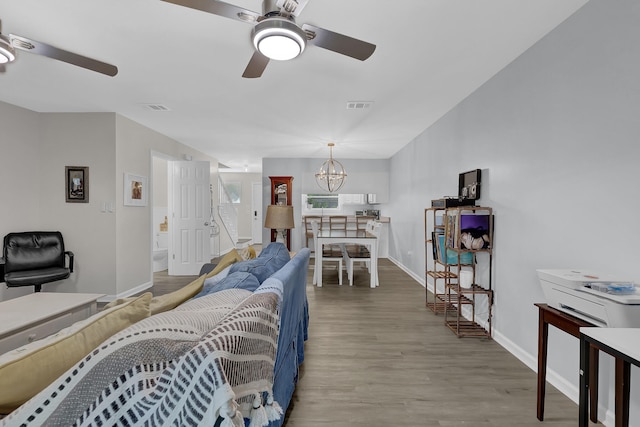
351	218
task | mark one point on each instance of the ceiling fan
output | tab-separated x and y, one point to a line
9	44
276	35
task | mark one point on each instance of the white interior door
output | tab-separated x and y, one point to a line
256	212
189	202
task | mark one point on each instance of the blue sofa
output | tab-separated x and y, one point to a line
194	352
294	322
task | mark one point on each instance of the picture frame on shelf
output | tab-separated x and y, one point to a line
136	190
76	184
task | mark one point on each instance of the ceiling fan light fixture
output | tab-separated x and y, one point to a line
7	53
279	39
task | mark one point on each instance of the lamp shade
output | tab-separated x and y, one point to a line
279	217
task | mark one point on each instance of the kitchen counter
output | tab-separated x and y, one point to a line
352	218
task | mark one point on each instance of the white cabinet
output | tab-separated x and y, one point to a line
352	199
38	315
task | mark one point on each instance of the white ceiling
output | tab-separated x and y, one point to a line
430	55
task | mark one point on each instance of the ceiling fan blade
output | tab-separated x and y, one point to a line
219	8
44	49
256	66
339	43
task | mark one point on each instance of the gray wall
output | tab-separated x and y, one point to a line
556	135
112	249
363	176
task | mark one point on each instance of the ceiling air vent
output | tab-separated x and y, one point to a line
359	105
156	107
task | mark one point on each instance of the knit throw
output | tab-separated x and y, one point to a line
212	357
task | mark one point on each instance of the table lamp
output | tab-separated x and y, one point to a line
279	218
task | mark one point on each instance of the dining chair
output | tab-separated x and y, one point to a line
362	221
328	253
308	219
337	222
361	253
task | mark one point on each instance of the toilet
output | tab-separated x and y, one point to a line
160	252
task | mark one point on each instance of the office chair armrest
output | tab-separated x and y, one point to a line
70	255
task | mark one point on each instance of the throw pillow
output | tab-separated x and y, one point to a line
271	259
27	370
247	253
171	300
237	280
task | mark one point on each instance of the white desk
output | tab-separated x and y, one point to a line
624	345
359	237
40	314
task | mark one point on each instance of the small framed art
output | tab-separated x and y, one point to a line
76	184
136	190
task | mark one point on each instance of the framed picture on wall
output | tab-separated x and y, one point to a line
136	190
76	184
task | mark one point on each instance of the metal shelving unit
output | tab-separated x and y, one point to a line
447	297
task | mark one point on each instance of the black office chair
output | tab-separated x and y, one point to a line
33	258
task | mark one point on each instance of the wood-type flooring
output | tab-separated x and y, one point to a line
379	357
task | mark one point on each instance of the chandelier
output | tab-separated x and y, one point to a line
332	175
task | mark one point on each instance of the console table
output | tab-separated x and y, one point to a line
34	316
624	345
571	325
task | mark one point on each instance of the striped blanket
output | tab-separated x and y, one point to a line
211	357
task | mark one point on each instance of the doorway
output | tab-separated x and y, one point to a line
159	212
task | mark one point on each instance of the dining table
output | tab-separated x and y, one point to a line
358	237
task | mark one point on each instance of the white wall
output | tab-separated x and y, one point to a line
556	136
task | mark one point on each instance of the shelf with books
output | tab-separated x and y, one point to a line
435	263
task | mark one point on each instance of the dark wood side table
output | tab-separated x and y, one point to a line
571	325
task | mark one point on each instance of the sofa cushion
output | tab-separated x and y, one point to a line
171	300
271	259
210	281
237	280
27	370
230	258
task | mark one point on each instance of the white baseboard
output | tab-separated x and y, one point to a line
409	272
128	293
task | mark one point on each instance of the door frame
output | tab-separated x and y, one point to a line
167	157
